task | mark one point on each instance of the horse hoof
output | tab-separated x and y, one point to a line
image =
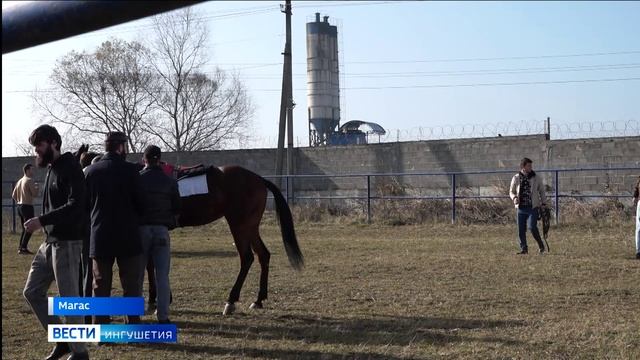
228	309
255	306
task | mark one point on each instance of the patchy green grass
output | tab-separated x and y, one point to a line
382	292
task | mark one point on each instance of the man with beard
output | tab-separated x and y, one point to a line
528	194
58	258
116	201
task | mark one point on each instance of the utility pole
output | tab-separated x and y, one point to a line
285	99
547	128
290	104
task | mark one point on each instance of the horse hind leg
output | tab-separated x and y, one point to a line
263	257
242	241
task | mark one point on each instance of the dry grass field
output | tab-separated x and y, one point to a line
383	292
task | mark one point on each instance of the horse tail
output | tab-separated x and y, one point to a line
286	226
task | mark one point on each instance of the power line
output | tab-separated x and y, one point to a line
415	73
422	61
416	86
475	85
495	58
218	16
349	3
374	75
233	14
149	25
544	68
208	46
475	59
492	84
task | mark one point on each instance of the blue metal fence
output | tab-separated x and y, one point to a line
453	197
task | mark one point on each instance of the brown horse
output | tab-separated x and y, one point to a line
240	196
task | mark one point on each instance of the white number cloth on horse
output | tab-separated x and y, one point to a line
193	186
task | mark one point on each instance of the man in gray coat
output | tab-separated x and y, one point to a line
528	194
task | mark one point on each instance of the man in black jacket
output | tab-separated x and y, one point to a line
116	203
86	278
161	208
58	258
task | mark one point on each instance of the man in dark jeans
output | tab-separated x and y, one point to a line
171	172
161	208
58	258
636	201
528	194
116	202
25	191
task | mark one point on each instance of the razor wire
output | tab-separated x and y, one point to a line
557	131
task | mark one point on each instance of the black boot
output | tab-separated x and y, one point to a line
62	348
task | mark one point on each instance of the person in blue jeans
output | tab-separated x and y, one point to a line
162	205
527	192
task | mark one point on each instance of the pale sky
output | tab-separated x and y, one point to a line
404	64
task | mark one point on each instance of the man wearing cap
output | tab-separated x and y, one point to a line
161	208
116	202
58	258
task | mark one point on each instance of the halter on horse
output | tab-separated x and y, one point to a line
240	196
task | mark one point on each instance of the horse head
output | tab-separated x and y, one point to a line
83	149
84	156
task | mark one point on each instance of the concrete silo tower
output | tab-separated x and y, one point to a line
323	88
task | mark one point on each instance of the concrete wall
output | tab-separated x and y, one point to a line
461	155
456	155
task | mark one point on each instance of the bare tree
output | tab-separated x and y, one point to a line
23	148
201	111
107	90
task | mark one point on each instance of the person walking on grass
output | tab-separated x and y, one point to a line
636	201
58	258
25	191
527	192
